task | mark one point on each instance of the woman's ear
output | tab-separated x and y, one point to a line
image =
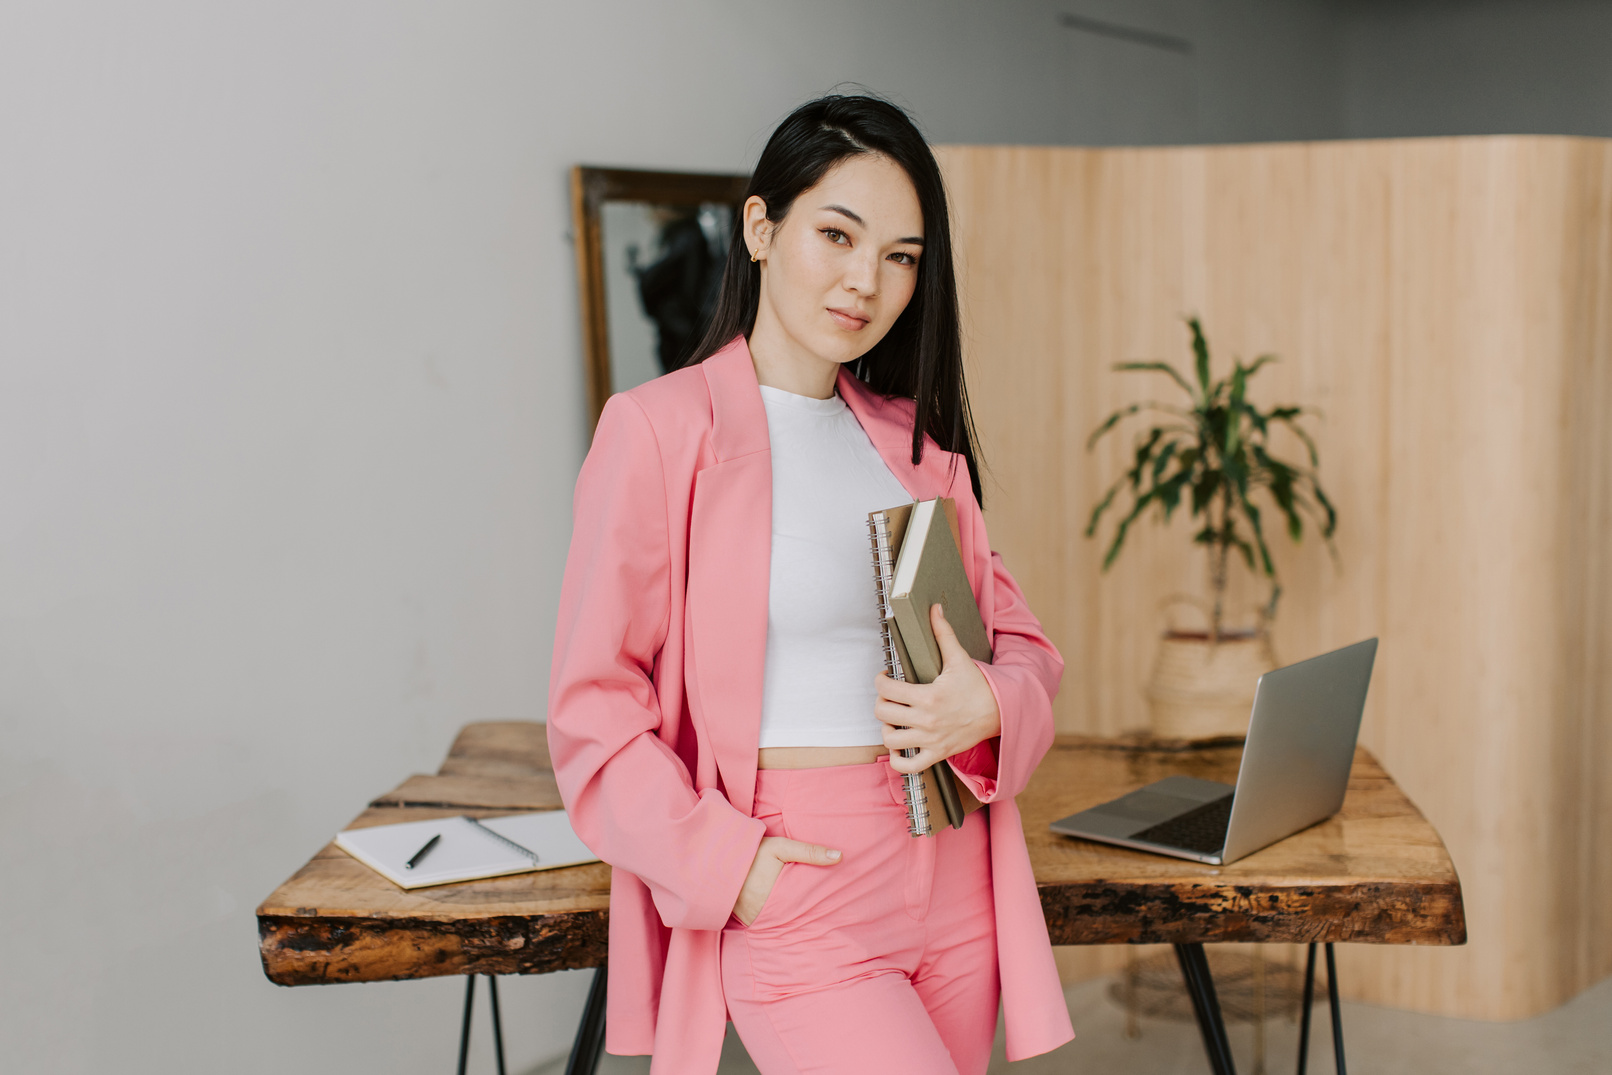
757	228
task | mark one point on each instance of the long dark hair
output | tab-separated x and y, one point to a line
921	357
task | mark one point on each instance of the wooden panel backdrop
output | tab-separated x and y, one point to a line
1448	304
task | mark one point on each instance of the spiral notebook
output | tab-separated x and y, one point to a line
916	563
466	848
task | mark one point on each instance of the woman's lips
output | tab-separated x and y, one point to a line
847	319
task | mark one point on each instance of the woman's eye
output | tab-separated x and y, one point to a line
836	236
904	258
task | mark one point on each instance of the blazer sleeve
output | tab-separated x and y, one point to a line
1023	674
629	795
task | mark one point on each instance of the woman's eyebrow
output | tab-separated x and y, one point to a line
915	240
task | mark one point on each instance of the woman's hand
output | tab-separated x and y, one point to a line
942	718
769	863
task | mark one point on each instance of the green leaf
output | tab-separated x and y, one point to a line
1110	422
1126	412
1258	362
1332	513
1102	506
1124	526
1303	435
1236	470
1179	482
1215	420
1242	546
1162	460
1255	419
1200	349
1255	524
1239	385
1157	367
1144	455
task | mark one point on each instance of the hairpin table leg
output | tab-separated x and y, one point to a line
589	1044
1332	1002
464	1024
1201	988
1337	1010
498	1023
1304	1011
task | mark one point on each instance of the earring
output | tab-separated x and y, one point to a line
756	254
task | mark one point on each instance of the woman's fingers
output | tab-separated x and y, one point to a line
915	764
902	738
901	716
951	650
896	691
799	851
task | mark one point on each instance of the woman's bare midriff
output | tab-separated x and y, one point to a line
816	757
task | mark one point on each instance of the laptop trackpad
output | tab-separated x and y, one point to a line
1143	808
1148	807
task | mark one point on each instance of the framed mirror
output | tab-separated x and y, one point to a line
650	249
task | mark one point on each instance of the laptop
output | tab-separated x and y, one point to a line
1295	769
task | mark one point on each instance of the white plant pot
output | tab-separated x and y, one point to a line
1200	690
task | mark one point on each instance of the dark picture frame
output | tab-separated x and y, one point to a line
686	219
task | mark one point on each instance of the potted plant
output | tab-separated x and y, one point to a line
1211	457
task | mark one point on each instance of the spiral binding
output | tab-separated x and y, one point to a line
884	572
506	841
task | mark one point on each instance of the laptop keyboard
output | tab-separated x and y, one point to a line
1201	829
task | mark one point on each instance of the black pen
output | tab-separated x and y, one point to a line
420	854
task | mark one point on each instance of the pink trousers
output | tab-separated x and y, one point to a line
884	962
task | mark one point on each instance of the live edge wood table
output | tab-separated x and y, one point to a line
1375	873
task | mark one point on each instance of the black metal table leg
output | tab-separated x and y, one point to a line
1201	988
589	1046
464	1024
1337	1011
498	1023
1304	1011
1332	1002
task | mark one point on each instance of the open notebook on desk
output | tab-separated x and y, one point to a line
462	848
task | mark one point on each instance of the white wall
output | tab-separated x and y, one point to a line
290	410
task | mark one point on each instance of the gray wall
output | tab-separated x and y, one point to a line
1435	67
291	406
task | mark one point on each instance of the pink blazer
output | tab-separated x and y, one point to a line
655	697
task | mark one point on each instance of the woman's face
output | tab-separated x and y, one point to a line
840	268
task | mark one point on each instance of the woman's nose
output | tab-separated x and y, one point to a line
862	276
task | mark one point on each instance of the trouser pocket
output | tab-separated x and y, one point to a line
819	920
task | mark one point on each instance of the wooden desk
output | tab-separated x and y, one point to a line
1375	873
336	920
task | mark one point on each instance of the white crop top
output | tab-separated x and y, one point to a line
823	648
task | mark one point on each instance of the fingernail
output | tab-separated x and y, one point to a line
834	855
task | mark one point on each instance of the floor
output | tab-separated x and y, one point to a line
1575	1039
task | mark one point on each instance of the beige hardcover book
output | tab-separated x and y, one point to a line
929	571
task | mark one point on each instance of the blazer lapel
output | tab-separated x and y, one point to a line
730	558
888	424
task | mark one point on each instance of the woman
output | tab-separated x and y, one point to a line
720	729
